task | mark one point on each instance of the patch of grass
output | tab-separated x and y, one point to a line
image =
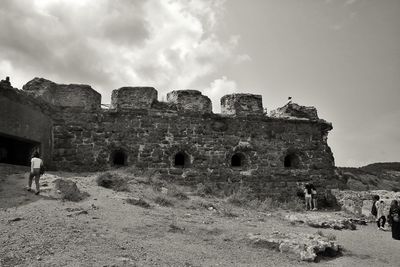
138	202
267	204
175	192
204	190
200	204
174	228
164	200
112	181
241	197
228	212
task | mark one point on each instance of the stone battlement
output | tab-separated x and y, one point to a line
130	98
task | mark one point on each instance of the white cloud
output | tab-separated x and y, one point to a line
111	43
217	89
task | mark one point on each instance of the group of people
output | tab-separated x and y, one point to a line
310	194
393	217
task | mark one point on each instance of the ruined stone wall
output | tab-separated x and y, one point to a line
26	119
181	139
151	139
63	95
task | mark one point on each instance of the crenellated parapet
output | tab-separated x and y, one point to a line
241	104
133	98
190	100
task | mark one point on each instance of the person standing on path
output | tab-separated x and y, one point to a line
394	219
380	217
36	167
307	196
313	196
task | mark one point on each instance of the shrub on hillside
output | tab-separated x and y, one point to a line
204	189
164	201
242	196
112	181
175	192
138	202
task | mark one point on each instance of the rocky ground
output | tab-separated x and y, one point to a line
105	229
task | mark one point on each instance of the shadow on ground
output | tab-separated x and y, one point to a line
13	180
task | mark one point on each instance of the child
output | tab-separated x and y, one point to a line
380	217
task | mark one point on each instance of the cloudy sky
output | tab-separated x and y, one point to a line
341	56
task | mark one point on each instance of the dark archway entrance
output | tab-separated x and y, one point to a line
291	161
119	158
237	160
17	151
181	160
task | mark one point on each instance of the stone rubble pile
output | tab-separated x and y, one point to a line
307	247
317	220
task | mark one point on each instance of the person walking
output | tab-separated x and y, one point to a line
394	219
36	171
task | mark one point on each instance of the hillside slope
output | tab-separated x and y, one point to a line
376	176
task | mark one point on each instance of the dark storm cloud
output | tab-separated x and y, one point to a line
167	44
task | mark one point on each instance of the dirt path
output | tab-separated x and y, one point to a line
103	230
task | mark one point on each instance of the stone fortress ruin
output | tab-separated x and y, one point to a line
181	138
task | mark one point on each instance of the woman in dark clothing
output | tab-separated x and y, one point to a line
394	219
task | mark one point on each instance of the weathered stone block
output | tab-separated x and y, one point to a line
63	95
190	100
241	104
133	97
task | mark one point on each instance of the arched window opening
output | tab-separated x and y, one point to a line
180	160
119	158
291	161
237	160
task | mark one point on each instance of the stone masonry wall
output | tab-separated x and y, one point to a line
151	139
22	117
190	100
133	97
184	142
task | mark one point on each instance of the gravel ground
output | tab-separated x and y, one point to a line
103	230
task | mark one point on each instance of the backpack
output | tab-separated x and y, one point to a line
374	211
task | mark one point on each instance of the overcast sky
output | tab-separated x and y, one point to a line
341	56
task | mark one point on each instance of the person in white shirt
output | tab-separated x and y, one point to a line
36	166
307	196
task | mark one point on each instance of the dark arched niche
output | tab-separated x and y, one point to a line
118	158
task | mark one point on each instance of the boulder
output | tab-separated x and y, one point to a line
68	190
306	246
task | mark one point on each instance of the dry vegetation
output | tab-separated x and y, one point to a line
134	218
